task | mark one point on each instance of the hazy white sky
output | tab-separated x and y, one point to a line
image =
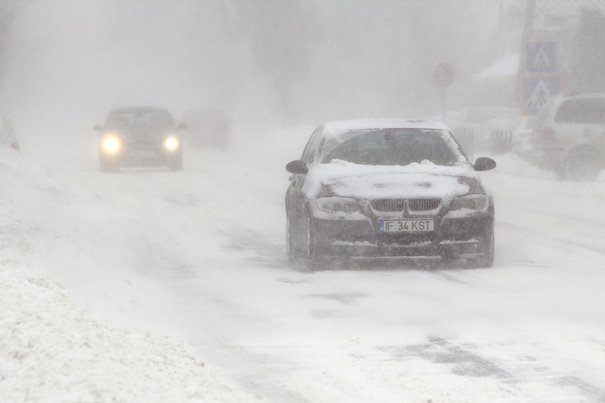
266	63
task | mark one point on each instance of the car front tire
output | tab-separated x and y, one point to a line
292	251
106	166
582	165
176	164
313	258
487	259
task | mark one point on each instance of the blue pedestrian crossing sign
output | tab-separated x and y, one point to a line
537	91
541	57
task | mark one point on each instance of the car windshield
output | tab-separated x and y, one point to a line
396	147
130	119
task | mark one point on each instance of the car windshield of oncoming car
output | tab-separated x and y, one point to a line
139	118
396	147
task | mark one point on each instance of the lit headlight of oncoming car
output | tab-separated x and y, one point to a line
471	202
111	143
338	204
171	143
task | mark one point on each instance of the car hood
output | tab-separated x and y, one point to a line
417	180
142	133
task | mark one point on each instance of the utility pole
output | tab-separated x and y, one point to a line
525	36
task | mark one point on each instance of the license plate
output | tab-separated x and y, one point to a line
143	153
407	226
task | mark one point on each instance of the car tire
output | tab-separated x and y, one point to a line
176	164
107	166
487	259
313	259
292	251
582	165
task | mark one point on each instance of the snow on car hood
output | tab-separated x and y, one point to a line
422	180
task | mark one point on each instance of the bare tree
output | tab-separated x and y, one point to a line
282	35
8	10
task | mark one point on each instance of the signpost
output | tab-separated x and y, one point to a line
540	74
444	77
537	91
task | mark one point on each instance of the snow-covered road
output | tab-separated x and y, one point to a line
200	255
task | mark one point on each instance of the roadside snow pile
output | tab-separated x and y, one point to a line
51	350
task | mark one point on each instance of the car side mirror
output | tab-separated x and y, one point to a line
97	128
182	126
484	164
297	167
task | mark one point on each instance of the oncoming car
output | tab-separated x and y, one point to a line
139	136
388	188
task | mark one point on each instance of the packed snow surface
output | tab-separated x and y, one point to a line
199	255
52	350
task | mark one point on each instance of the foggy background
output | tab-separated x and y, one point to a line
265	63
200	255
272	63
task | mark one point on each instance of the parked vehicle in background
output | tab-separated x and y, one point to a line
139	136
569	136
388	188
207	128
486	128
8	137
522	137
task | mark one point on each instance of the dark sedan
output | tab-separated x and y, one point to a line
139	136
388	188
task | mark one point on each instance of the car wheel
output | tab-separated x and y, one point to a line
107	166
176	164
291	249
582	165
313	259
487	259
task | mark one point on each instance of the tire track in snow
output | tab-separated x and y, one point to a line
267	252
547	235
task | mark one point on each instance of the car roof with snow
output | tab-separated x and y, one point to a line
137	109
585	95
338	128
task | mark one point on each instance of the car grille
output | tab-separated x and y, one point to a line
392	205
423	204
388	205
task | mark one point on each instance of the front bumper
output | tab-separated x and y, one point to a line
142	155
462	237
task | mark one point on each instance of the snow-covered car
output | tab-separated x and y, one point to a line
388	188
207	128
569	136
486	128
139	136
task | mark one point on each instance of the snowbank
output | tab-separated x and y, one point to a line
51	350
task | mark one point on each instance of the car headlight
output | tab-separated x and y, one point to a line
338	204
171	143
471	202
111	143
